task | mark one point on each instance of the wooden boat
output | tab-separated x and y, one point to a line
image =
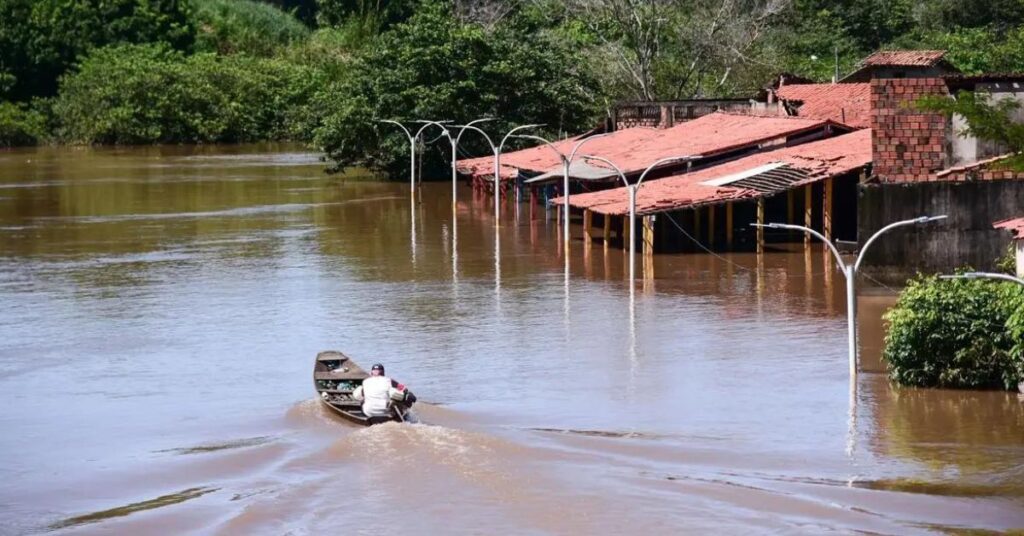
336	376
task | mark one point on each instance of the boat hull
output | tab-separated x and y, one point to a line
336	377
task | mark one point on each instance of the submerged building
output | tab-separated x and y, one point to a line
844	158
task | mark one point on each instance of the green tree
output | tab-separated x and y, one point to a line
41	39
434	66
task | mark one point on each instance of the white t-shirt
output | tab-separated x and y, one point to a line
375	392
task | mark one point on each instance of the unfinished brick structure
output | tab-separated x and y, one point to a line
921	167
909	145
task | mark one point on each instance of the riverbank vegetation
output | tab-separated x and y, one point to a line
961	333
320	71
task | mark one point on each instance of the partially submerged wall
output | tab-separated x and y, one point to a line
966	238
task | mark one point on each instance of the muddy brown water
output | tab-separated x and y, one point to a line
161	308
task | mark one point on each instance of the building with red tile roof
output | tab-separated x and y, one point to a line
633	149
905	58
901	64
849	104
792	167
1014	225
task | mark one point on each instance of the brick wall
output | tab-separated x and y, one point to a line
908	145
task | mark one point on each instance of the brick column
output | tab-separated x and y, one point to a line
908	145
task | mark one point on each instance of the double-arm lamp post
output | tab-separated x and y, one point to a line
497	159
566	162
631	192
850	271
985	275
413	138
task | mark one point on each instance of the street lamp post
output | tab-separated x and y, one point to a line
496	149
497	166
631	191
412	147
455	157
850	272
984	275
566	162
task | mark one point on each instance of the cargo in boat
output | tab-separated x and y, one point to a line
336	376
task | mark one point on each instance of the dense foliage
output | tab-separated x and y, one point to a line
434	66
20	125
325	70
41	39
152	94
957	333
233	26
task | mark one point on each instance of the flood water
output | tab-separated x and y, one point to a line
161	309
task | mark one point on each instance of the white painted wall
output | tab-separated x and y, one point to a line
1020	258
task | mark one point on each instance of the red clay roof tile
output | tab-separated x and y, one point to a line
904	58
633	149
1014	225
849	104
820	160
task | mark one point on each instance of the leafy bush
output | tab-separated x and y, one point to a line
20	125
150	94
232	26
41	39
326	49
433	66
957	333
372	14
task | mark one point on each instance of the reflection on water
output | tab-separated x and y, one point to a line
170	300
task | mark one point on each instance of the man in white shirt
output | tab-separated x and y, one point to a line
377	392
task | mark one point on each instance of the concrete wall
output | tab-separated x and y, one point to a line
1020	258
966	238
970	149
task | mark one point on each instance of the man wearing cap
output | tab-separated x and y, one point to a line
376	393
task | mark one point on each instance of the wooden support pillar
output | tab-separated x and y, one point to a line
790	206
588	224
728	224
760	230
625	232
607	234
648	234
711	225
826	210
533	203
808	208
648	239
696	223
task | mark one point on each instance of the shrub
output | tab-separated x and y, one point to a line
133	94
956	333
20	125
233	26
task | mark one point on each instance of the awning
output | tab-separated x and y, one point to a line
579	170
